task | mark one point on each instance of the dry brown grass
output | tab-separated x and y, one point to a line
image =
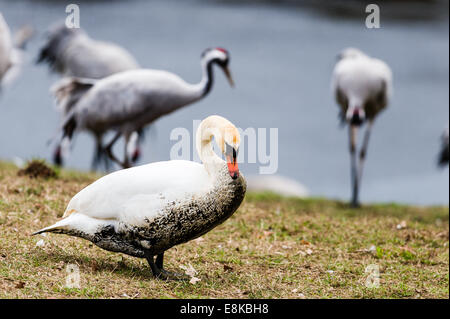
271	248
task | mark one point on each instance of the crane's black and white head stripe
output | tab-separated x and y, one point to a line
220	57
216	55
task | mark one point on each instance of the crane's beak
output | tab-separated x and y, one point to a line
227	72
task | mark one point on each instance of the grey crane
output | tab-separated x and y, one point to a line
362	86
71	52
128	101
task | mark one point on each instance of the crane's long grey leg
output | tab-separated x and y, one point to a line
108	149
159	271
363	152
137	149
126	160
66	139
353	130
99	154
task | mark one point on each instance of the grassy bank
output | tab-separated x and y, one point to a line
270	248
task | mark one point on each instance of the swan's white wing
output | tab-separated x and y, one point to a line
139	193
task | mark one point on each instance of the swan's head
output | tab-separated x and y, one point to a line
350	53
227	138
230	148
221	57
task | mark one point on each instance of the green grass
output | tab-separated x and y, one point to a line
272	247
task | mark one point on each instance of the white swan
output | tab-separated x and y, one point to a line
145	210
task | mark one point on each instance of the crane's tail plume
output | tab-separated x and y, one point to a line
68	91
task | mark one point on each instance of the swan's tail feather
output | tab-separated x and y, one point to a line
58	227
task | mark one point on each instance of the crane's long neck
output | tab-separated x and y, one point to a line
195	92
207	80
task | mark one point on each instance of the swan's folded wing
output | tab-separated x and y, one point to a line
140	192
142	209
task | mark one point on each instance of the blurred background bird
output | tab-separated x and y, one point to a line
362	86
283	84
128	101
444	153
71	52
11	51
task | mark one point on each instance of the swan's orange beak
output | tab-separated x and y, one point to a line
231	156
233	167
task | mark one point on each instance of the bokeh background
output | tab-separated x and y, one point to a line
283	53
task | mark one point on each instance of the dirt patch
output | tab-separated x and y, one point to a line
37	169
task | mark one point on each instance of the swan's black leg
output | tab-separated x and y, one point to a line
158	270
160	261
151	262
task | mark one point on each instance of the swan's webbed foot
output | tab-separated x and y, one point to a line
168	275
160	273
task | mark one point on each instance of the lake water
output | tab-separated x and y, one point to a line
281	59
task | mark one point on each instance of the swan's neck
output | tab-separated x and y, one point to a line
212	162
214	165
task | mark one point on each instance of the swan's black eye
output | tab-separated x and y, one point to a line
230	151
